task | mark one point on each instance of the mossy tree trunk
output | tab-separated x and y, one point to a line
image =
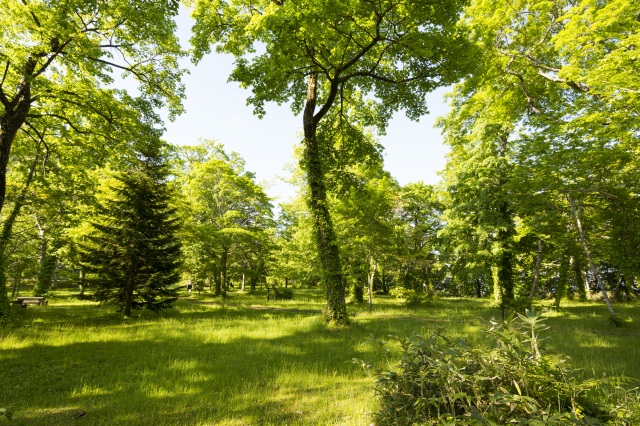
324	233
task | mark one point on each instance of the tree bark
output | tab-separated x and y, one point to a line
370	277
425	275
82	286
128	298
223	272
324	233
536	276
563	274
16	285
14	117
576	214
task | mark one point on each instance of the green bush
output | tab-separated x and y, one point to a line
282	293
411	297
445	381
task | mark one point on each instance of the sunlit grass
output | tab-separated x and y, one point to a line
246	360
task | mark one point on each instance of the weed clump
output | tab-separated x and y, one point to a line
446	381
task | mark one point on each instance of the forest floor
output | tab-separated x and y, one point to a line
249	361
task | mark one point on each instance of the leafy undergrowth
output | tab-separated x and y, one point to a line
443	381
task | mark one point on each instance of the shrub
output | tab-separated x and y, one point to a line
411	297
282	293
445	381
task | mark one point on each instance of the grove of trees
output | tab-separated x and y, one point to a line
539	197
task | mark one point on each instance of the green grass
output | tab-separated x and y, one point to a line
248	361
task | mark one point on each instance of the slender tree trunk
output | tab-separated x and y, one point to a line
425	276
128	292
223	272
576	214
47	265
581	284
16	285
323	226
128	299
478	289
370	277
82	286
243	281
536	276
562	280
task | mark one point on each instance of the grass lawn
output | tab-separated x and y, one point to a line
248	361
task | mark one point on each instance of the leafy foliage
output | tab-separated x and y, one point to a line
227	215
446	381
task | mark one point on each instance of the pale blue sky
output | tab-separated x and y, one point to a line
216	109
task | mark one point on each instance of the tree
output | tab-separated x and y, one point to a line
132	254
228	213
418	220
57	57
364	218
557	79
58	61
339	64
294	258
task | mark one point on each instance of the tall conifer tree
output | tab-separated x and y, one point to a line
133	253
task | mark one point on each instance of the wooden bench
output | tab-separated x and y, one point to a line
31	300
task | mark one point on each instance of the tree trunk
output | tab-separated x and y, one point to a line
243	281
562	280
425	276
82	286
128	292
128	299
223	272
7	226
370	277
536	276
576	214
14	117
47	264
324	233
581	284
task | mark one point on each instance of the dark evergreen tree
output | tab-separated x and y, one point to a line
132	255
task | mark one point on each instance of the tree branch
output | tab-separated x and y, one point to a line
33	15
3	98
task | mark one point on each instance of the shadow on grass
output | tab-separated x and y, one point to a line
173	371
233	364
